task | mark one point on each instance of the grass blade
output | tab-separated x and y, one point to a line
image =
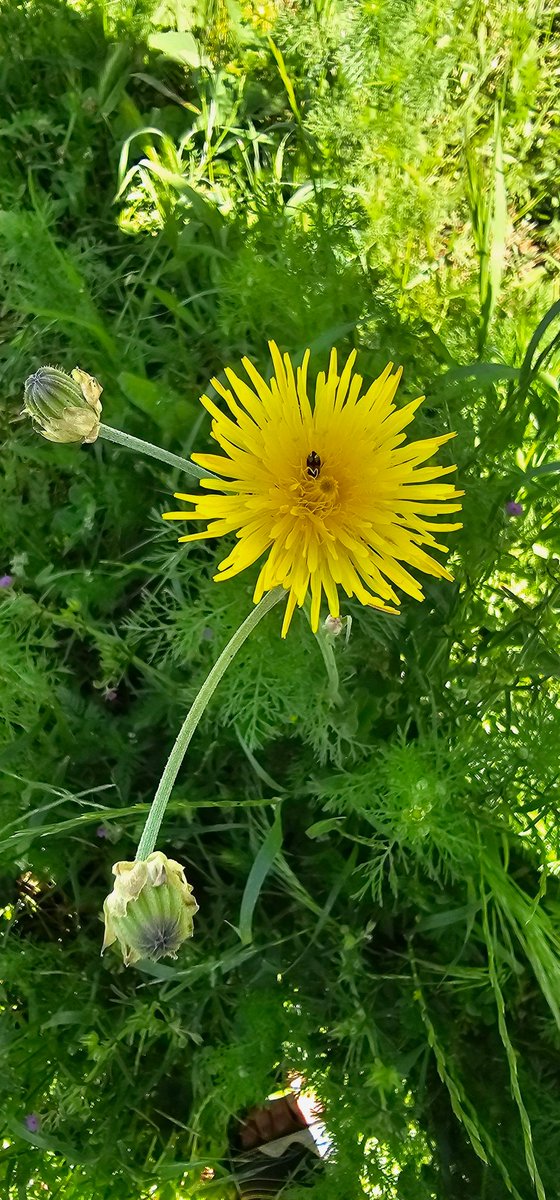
257	875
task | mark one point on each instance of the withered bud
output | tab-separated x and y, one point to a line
64	408
150	910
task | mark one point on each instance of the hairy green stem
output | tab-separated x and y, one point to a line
173	764
325	642
133	443
327	650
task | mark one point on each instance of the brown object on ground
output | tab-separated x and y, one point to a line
273	1120
271	1146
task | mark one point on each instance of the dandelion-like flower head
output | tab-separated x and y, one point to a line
332	490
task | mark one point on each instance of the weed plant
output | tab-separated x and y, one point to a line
179	183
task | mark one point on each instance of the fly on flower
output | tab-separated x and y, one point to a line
330	489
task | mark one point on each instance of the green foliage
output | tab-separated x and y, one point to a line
377	869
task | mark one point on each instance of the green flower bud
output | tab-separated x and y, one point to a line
150	910
65	408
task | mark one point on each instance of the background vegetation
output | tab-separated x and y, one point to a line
180	183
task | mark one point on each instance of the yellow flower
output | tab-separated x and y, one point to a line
332	490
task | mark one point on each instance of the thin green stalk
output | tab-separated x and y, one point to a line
133	443
326	646
327	650
173	764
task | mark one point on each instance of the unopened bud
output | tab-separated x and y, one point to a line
150	910
64	408
333	626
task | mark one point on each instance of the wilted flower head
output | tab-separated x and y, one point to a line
65	408
150	910
329	491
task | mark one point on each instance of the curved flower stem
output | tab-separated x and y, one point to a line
134	443
173	764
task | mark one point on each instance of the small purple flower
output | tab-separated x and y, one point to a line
6	580
32	1122
514	508
110	695
101	831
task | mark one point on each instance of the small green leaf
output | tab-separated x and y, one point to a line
181	47
64	1017
551	468
321	827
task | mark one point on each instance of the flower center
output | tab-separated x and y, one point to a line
315	495
158	937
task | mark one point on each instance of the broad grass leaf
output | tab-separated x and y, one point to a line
257	875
